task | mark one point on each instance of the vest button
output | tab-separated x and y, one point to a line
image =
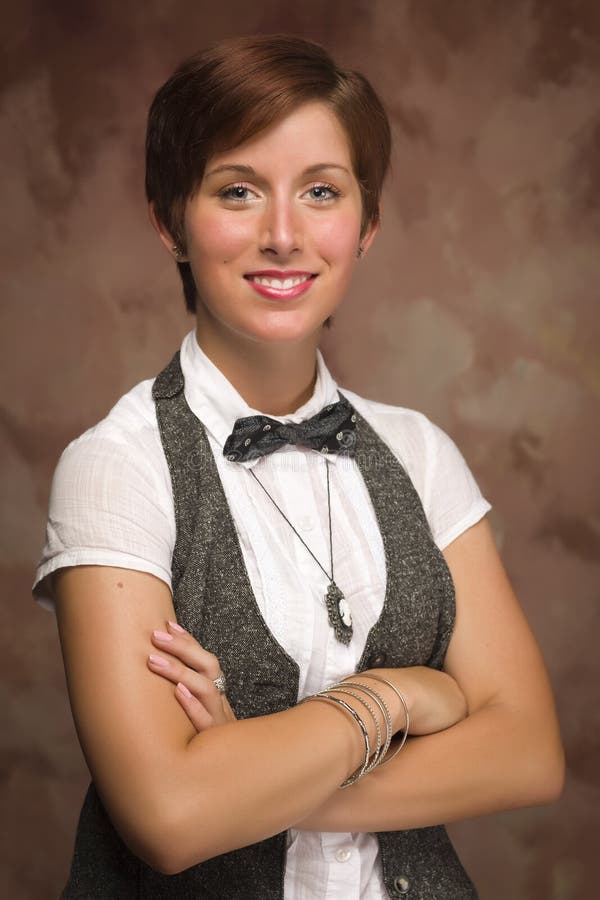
378	660
401	884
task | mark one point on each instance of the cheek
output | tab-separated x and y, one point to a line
216	238
338	240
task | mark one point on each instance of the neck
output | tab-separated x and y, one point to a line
275	379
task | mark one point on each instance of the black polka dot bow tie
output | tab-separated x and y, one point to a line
333	430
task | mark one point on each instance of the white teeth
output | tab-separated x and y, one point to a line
279	284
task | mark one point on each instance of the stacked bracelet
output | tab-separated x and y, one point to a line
387	718
323	695
406	715
359	692
377	754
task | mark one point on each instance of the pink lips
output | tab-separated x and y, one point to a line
277	284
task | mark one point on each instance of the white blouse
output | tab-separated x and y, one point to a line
111	504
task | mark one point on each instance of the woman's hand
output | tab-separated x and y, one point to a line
193	670
434	699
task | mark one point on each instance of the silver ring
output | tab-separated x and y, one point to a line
219	683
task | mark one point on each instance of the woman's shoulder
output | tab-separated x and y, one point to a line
407	431
124	448
130	427
110	500
450	495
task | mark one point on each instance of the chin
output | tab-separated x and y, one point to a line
286	330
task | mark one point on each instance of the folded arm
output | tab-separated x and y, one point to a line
507	753
170	791
175	796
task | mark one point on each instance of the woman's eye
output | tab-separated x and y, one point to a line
322	192
237	192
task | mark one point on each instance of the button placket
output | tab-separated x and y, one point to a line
401	885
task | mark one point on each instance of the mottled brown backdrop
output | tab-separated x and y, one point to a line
478	306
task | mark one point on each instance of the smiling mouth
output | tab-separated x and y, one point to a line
279	284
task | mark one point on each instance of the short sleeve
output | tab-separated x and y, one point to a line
451	497
108	506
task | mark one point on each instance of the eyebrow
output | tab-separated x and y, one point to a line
248	170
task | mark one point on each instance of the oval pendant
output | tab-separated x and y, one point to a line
345	614
338	610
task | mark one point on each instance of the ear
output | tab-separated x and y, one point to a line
369	235
165	235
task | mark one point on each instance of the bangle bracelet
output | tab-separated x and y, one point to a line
378	749
405	706
355	776
323	695
396	751
385	712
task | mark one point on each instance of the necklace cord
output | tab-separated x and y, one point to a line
290	524
329	510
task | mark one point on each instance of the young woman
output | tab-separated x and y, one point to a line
239	534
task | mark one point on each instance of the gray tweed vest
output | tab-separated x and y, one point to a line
213	599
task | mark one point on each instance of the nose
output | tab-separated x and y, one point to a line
281	228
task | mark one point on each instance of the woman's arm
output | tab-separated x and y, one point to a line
433	698
171	792
175	796
506	754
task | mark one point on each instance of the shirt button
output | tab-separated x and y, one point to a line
401	884
377	660
343	854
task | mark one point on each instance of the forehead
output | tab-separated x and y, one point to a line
309	135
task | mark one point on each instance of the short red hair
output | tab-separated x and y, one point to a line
235	89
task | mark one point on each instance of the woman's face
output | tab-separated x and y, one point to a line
273	231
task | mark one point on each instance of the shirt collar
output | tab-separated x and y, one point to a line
215	401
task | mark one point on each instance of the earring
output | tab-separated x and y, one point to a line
360	251
178	252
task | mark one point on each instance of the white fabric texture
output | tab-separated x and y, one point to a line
111	504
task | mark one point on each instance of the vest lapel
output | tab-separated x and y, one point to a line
416	621
212	593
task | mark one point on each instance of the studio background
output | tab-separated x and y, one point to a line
476	305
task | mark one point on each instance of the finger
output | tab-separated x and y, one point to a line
187	649
202	688
229	713
183	647
198	715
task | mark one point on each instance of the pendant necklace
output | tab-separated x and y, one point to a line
338	611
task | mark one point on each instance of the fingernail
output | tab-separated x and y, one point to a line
158	661
162	636
176	627
183	689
